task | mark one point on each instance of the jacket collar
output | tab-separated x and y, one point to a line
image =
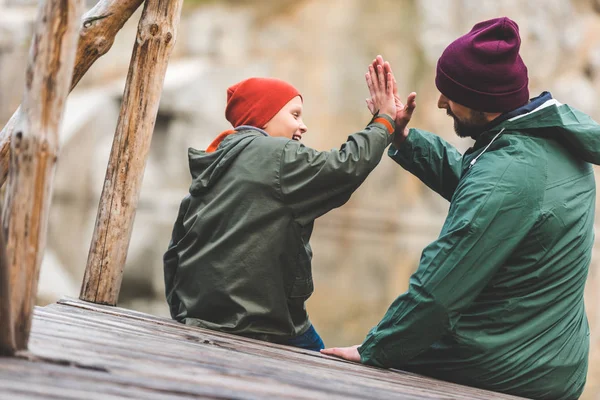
527	108
249	127
492	128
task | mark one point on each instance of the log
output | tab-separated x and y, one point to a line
7	334
34	152
99	26
157	31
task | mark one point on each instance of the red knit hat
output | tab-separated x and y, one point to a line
255	101
483	70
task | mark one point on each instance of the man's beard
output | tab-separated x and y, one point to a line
471	127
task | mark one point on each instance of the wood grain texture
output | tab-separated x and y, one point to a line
98	29
98	352
7	328
34	152
156	36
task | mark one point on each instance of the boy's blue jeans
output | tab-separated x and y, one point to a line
309	340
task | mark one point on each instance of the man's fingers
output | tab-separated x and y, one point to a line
389	84
333	351
411	102
347	353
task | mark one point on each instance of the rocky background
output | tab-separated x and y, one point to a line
365	251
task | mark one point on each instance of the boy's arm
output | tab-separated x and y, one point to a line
315	182
431	159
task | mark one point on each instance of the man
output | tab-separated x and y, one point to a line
497	299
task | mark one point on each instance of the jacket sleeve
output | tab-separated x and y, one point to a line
314	182
431	159
489	216
171	259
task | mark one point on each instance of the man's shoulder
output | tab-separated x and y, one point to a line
513	164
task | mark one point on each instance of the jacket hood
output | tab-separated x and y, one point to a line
573	129
207	168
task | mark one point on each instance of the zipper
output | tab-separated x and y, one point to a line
473	161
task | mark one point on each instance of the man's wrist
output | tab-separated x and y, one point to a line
400	136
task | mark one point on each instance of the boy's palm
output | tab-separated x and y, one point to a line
381	85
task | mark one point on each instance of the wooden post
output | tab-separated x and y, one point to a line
108	252
7	333
99	26
34	151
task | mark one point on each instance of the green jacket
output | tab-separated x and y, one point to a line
239	260
497	299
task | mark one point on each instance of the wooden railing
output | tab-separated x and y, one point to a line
63	48
34	151
155	39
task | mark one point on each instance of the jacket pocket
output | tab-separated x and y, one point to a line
302	282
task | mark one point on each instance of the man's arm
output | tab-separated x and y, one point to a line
488	218
430	158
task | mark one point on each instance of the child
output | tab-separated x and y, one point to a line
239	260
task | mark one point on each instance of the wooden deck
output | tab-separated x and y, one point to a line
85	351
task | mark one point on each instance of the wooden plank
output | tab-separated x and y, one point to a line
151	353
99	27
35	151
157	32
184	358
254	347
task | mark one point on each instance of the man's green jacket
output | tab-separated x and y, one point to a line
497	299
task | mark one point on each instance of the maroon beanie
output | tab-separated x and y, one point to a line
254	101
483	70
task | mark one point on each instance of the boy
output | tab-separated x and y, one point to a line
239	260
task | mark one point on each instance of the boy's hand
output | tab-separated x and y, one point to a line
403	111
381	88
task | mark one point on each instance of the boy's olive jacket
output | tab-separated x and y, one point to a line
239	260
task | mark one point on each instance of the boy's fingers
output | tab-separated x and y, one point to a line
381	78
374	81
370	84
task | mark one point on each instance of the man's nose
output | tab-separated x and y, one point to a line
442	102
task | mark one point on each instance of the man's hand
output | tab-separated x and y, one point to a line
381	86
403	116
347	353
